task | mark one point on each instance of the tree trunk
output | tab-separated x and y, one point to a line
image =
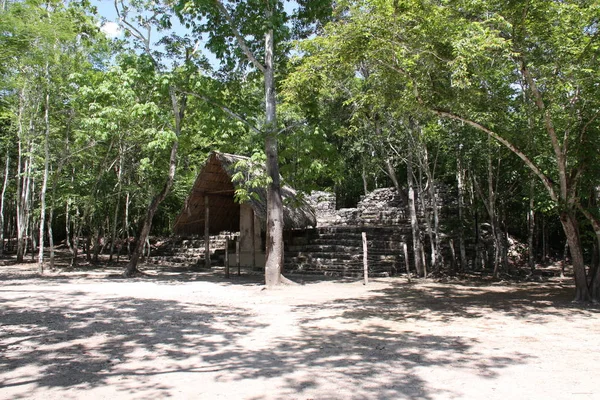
391	171
274	245
433	226
594	274
414	223
77	225
491	208
132	269
364	179
461	213
68	239
113	236
571	228
126	227
20	178
51	238
531	226
44	181
2	197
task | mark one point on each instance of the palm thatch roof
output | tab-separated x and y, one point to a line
216	182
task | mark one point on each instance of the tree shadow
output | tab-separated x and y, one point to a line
533	302
77	339
69	341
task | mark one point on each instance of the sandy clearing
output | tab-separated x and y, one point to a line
72	336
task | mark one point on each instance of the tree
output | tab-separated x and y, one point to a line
466	61
231	26
44	43
146	16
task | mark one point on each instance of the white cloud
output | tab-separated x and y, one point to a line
111	29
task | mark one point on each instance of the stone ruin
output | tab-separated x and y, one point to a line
334	246
381	207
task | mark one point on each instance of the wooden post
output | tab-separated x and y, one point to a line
206	233
227	257
237	256
365	260
405	250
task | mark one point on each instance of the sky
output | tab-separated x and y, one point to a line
110	25
106	10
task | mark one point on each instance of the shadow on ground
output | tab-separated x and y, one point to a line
76	339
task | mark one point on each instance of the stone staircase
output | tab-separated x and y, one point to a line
338	250
188	251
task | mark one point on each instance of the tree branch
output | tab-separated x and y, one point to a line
545	180
224	109
558	150
238	36
136	33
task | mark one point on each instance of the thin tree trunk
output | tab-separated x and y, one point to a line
544	241
113	236
2	197
20	178
433	226
96	247
531	226
492	212
428	224
25	206
414	224
461	212
364	179
51	238
77	224
126	226
68	240
45	180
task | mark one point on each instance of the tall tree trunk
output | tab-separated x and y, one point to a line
531	227
20	177
544	241
51	238
460	174
432	215
414	223
113	236
45	179
491	208
68	240
423	197
77	223
2	197
274	243
126	226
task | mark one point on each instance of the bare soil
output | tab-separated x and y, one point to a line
90	334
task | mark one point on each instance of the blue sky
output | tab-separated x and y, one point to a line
106	11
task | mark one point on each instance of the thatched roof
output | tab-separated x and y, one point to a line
215	181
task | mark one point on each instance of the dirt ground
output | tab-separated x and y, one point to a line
91	334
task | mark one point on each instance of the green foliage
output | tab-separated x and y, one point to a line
250	175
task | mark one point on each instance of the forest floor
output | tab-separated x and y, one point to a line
88	333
